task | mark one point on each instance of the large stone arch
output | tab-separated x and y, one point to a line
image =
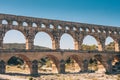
21	31
46	33
105	62
115	40
55	60
77	59
24	58
72	36
94	37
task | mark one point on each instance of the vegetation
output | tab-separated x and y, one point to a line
19	46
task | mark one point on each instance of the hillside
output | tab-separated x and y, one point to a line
20	46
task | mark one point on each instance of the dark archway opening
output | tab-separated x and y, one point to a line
16	65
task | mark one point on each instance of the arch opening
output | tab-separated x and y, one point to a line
14	39
34	25
96	66
71	65
4	22
66	41
109	44
15	23
25	24
18	64
42	40
89	43
48	64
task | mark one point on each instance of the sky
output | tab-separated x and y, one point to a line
101	12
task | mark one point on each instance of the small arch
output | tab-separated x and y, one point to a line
25	24
34	25
4	22
15	23
43	26
74	28
87	30
66	41
98	31
93	30
59	27
109	32
67	28
104	31
51	26
81	29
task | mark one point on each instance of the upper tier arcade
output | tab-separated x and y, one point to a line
30	26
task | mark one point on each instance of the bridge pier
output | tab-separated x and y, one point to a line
2	67
34	68
84	67
108	66
61	67
29	44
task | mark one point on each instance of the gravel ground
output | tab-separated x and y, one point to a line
84	76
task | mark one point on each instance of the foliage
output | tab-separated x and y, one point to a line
89	47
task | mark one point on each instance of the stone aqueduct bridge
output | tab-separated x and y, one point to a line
31	26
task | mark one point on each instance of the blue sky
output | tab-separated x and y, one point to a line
102	12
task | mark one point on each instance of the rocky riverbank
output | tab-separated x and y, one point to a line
84	76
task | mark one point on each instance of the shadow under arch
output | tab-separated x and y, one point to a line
76	62
47	36
54	59
24	58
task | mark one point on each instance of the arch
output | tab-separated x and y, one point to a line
66	41
51	26
100	63
54	63
81	29
59	27
109	44
89	43
43	39
25	24
75	61
34	25
87	30
67	28
74	28
43	25
24	58
4	22
17	37
15	23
